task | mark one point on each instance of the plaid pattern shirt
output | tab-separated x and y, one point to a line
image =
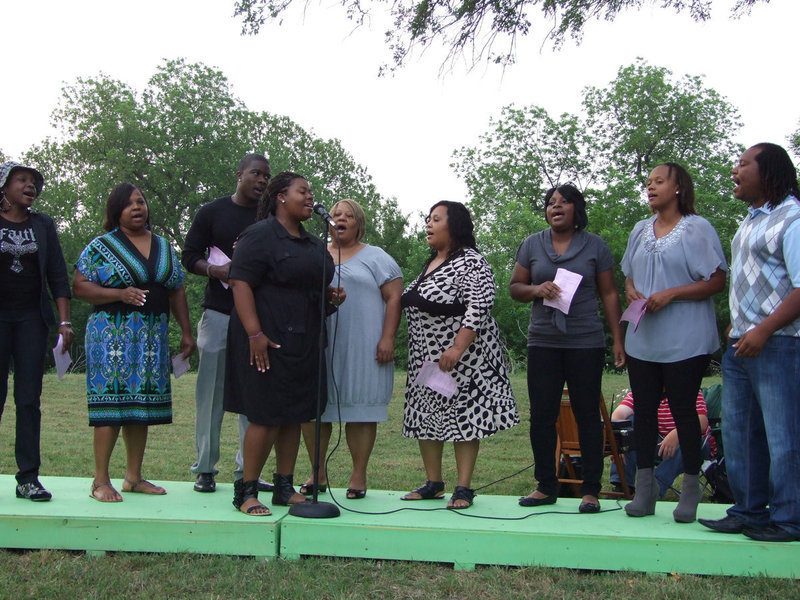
765	265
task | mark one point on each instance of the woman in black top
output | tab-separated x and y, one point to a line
31	260
273	338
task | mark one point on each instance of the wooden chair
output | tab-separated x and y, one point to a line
569	447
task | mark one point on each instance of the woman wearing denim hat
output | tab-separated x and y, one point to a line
31	260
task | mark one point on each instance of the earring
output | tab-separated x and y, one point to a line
7	206
283	201
678	193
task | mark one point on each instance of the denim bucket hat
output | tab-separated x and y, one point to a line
8	166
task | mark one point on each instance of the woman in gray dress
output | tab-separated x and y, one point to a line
360	349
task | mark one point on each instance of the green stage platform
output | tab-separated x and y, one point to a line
494	531
181	521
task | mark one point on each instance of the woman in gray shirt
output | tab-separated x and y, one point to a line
566	347
673	261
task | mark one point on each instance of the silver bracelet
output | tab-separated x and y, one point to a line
65	323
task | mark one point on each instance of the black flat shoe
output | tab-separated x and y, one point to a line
729	524
770	533
33	491
205	483
530	501
589	507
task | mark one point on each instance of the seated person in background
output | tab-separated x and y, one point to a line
668	450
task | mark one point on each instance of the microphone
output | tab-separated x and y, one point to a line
322	212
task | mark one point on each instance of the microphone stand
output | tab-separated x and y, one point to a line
313	509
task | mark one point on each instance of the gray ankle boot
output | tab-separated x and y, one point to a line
686	511
646	496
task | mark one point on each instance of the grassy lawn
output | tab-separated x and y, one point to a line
67	450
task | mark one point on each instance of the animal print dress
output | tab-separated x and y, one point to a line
459	293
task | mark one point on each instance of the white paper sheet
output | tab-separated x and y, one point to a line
218	258
439	381
179	365
568	282
62	359
634	313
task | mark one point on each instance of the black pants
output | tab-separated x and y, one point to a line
582	370
680	380
23	337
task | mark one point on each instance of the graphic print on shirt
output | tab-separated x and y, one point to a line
17	242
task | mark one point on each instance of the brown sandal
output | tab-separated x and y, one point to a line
97	486
133	486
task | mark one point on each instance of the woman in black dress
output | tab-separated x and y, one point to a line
273	338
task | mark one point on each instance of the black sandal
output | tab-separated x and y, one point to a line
461	493
284	490
432	490
354	494
307	489
242	492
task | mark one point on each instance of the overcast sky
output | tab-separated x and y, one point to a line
404	128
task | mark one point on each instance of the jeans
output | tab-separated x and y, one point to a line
212	343
582	370
666	471
23	337
680	380
761	433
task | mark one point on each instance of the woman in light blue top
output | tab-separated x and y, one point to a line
674	261
360	350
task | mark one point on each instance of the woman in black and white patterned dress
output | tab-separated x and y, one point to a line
448	312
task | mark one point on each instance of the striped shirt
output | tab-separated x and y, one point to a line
666	423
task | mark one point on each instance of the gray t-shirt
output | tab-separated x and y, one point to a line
586	255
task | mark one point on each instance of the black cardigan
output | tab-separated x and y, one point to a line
52	268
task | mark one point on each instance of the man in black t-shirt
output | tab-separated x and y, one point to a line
218	224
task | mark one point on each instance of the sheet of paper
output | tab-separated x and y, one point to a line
432	376
179	365
634	313
62	359
218	258
568	282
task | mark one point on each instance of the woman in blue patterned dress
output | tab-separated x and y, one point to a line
134	279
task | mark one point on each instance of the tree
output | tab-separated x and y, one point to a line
642	118
476	27
180	140
794	142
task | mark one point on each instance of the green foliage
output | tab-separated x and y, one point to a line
642	118
180	139
794	142
476	28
